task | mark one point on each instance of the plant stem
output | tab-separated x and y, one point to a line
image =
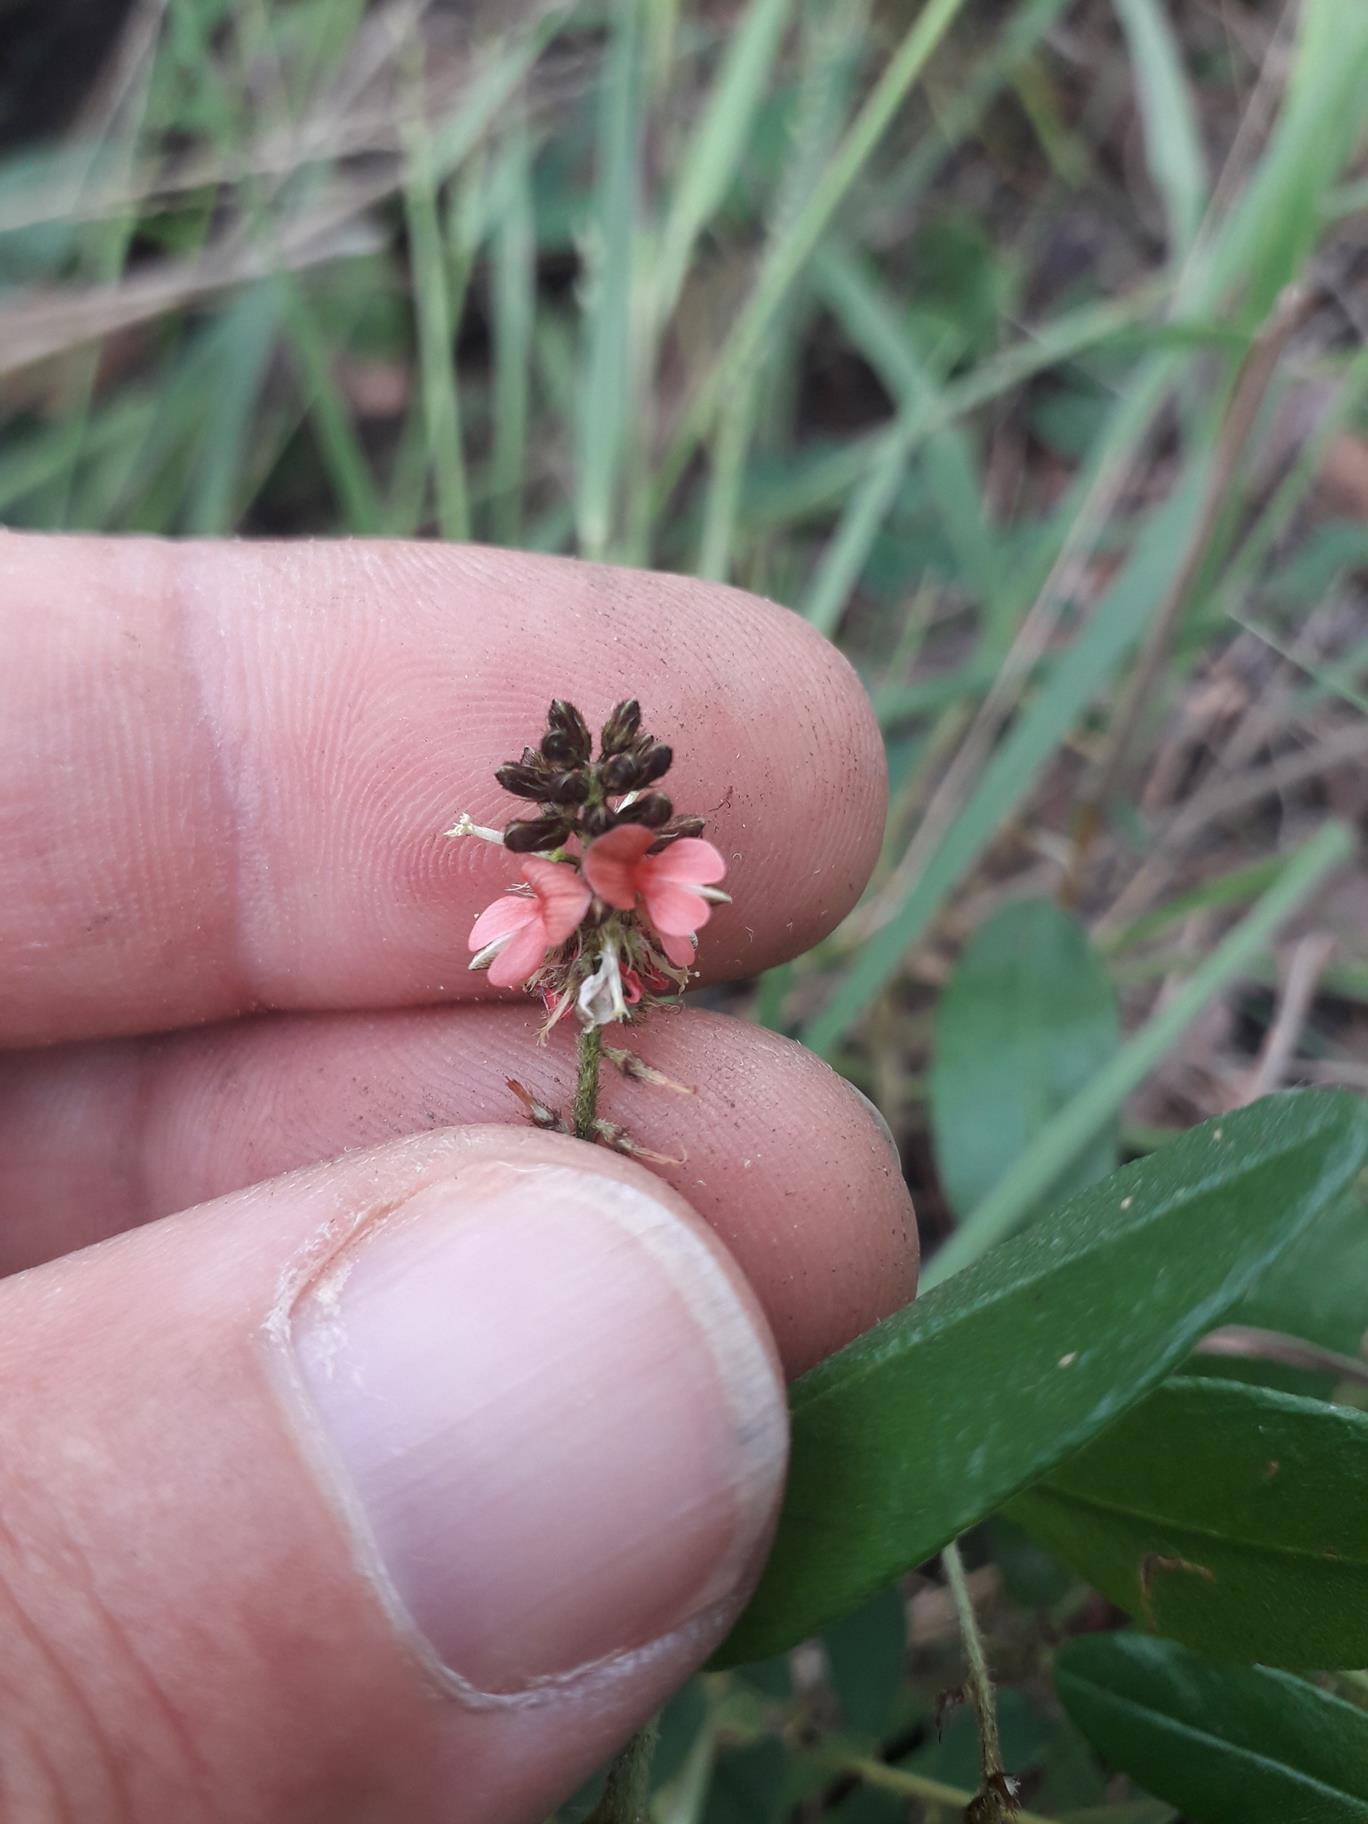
627	1790
586	1081
980	1684
921	1786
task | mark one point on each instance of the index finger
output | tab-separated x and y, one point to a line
225	769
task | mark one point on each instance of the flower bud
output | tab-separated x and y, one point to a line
558	747
522	780
524	835
565	719
681	826
654	763
620	773
566	788
653	809
597	820
620	730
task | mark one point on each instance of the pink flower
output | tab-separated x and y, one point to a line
515	933
676	886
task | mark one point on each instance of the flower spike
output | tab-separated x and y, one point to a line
615	888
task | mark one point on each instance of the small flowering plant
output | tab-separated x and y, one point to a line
614	891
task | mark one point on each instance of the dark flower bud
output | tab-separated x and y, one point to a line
559	748
681	826
566	788
597	820
565	719
653	809
523	781
525	836
620	773
620	730
531	757
654	763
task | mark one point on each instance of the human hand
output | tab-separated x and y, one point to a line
401	1486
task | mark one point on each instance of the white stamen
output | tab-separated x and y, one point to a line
714	895
464	827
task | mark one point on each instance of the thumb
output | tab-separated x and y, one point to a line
404	1488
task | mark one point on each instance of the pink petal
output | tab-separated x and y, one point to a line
674	911
611	864
689	862
561	894
506	914
512	966
680	950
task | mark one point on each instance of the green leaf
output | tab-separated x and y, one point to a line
867	1653
1233	1518
1028	1017
936	1416
1226	1744
750	1785
1014	1196
1318	1289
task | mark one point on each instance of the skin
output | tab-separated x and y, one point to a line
232	959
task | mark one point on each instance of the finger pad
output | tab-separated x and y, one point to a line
774	1150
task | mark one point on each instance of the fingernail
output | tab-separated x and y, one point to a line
553	1415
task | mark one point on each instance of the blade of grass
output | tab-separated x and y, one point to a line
246	338
717	141
1254	556
229	109
825	483
1059	1142
1226	889
786	257
762	404
1080	674
610	354
847	550
339	445
1271	233
874	324
959	823
34	464
1173	143
111	240
1015	38
513	288
436	311
722	498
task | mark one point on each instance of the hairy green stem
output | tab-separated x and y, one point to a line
980	1685
627	1790
586	1081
